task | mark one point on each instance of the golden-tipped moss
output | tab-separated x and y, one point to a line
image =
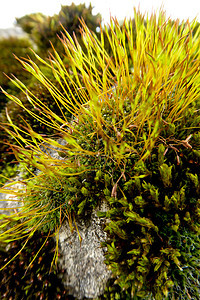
133	141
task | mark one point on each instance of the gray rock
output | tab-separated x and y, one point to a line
9	203
85	274
12	32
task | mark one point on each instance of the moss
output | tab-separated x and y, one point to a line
154	204
19	280
134	143
8	172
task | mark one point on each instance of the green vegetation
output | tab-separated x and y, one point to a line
133	142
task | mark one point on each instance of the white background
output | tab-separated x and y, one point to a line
181	9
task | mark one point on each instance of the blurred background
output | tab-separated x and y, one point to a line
12	9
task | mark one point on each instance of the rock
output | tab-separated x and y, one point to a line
85	274
9	203
12	32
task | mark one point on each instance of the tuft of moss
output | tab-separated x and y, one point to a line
153	223
133	142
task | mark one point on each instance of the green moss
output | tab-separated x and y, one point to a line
8	172
133	143
154	203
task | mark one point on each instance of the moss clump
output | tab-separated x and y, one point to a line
147	225
55	199
133	143
153	221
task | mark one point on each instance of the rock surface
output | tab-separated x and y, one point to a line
9	203
12	32
85	272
